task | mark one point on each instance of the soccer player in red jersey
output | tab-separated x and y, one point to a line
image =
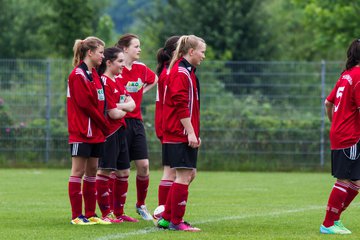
137	79
116	156
163	58
87	128
181	130
342	108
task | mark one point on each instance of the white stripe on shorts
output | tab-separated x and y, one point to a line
353	152
75	149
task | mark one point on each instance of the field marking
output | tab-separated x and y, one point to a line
153	229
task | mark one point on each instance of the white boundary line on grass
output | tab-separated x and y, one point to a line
153	229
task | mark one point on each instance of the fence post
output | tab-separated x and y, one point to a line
322	128
48	108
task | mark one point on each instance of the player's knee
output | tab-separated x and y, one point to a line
192	176
143	169
123	173
77	172
169	174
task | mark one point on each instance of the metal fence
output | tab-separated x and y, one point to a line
254	115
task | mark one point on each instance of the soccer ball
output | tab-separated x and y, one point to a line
158	211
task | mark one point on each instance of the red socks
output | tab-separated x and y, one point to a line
103	196
75	196
120	190
89	194
167	212
352	191
178	202
142	184
164	187
111	190
336	201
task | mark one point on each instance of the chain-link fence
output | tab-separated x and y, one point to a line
254	115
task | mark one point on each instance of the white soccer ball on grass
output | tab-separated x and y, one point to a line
158	211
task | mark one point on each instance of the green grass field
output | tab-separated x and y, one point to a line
225	205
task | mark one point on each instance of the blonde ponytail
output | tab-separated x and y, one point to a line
82	46
184	44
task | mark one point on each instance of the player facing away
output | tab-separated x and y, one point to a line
181	130
163	58
342	108
116	156
87	127
137	79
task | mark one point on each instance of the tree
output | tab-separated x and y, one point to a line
73	20
46	28
105	30
290	40
313	29
333	24
234	30
22	28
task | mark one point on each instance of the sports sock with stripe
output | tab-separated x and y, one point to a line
75	195
102	195
335	203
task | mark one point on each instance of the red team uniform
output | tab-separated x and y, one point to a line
159	104
111	192
345	127
134	80
86	124
114	91
85	106
164	185
344	140
181	101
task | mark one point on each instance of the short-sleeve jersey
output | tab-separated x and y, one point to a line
160	102
345	126
134	80
115	93
85	106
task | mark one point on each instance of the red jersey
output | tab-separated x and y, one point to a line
159	103
85	106
345	126
181	100
134	80
115	93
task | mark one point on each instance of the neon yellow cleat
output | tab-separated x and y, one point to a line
98	220
81	220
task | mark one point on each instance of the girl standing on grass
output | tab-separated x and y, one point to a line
87	128
181	136
137	79
163	58
342	108
116	156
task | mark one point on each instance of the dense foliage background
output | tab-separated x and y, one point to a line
234	30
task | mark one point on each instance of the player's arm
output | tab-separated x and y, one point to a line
329	108
147	87
127	106
116	113
192	139
180	98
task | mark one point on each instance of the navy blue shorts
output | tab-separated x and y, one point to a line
345	163
95	150
116	155
180	155
136	139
